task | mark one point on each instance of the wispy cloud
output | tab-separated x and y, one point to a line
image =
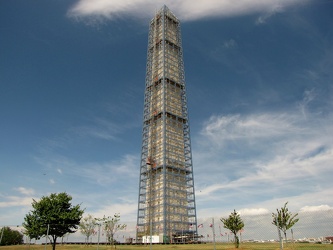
316	208
308	96
265	155
109	172
186	9
25	191
100	128
101	173
253	211
112	184
265	16
14	201
221	129
231	43
126	210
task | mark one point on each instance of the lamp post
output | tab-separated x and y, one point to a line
3	229
213	229
99	235
47	235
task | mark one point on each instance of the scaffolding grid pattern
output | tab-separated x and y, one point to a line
166	203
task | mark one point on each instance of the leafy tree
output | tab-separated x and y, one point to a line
52	216
87	226
10	237
111	225
234	223
284	220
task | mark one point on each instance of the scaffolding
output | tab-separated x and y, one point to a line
166	203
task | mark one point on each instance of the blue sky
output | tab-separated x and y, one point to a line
260	97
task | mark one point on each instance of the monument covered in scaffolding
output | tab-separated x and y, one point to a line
166	202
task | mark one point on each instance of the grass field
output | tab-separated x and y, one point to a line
244	246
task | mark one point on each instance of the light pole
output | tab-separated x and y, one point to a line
99	234
3	229
47	235
213	229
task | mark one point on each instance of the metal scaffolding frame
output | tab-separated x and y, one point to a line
166	203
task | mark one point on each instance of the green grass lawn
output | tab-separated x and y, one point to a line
219	246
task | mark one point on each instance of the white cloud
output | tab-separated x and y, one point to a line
231	43
316	208
264	17
25	191
308	96
283	171
271	156
254	126
113	182
14	201
126	210
185	10
117	171
100	129
253	211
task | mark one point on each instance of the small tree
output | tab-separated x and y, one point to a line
53	216
234	223
10	237
111	225
284	220
87	226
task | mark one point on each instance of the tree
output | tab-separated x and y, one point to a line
284	220
111	225
87	226
52	216
234	223
10	237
